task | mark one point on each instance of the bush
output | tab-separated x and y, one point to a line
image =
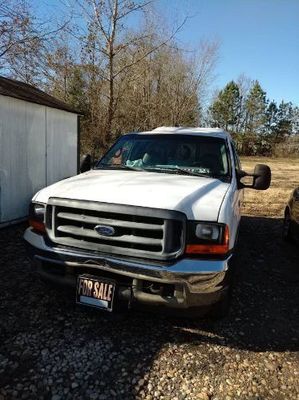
250	144
288	148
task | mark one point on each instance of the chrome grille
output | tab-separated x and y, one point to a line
138	231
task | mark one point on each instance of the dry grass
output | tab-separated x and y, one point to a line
285	177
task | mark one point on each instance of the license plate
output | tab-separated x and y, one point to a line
95	291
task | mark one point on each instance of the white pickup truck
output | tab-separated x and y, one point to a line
154	223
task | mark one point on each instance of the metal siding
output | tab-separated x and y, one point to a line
62	145
22	155
28	134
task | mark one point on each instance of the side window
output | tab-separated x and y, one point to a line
236	157
224	159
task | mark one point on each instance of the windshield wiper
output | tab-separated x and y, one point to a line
176	170
158	169
203	174
194	173
187	171
121	166
173	170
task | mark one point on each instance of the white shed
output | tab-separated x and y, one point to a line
39	145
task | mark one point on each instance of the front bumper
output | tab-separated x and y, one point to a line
194	282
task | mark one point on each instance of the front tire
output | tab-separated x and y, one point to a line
221	308
287	233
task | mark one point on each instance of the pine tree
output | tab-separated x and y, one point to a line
77	97
256	105
225	110
295	120
284	119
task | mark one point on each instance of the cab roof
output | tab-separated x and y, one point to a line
214	132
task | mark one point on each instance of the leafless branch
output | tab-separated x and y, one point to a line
152	50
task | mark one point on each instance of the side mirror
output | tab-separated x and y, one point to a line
261	178
85	163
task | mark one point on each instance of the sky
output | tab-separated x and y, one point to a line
258	38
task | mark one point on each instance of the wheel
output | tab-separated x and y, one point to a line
287	233
221	308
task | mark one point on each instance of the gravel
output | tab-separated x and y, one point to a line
52	349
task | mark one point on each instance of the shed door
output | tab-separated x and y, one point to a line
22	155
61	145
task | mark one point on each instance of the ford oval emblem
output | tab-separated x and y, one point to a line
104	230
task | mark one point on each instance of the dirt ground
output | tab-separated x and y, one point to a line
52	349
285	177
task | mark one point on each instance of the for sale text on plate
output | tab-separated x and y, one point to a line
95	291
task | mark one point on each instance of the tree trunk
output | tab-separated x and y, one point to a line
111	104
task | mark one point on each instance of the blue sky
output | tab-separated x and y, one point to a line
259	38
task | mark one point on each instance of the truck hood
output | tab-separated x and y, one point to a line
199	198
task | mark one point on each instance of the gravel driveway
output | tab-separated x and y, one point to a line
52	349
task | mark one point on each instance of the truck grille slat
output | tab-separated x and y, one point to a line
88	233
138	231
108	221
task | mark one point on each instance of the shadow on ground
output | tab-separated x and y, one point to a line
264	311
43	334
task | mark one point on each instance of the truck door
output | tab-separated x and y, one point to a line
239	192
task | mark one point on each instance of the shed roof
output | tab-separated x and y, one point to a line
26	92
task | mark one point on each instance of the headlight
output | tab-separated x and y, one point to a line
208	232
207	238
37	216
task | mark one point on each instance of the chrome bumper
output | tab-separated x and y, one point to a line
196	282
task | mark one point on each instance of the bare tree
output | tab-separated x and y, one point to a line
118	50
244	83
205	60
12	24
129	78
23	40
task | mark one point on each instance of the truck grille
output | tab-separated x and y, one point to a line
138	231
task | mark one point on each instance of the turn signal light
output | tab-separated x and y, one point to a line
211	248
37	225
37	216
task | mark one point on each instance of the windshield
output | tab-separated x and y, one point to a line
189	154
